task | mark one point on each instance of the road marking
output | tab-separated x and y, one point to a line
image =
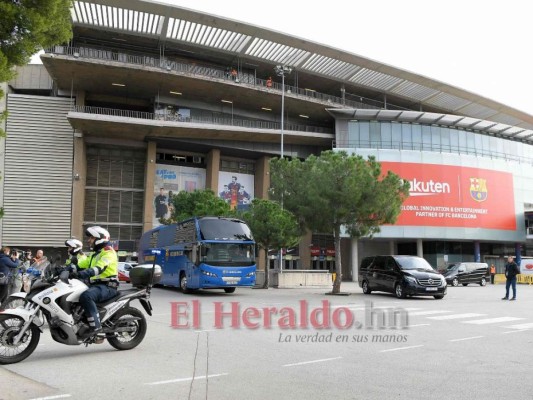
413	326
466	338
414	314
311	362
456	316
59	396
520	326
491	320
207	330
516	330
185	379
401	348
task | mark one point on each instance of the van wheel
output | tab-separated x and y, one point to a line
183	283
439	297
465	284
455	282
366	288
483	282
400	293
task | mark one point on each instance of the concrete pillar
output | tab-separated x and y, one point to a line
355	259
392	247
262	178
149	180
477	252
79	170
212	170
419	248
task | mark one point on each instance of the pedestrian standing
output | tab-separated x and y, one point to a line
9	262
492	273
511	270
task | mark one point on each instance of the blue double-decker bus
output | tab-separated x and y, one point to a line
202	253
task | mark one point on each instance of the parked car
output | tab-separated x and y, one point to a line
467	272
402	275
124	271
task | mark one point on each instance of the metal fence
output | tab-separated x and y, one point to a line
243	77
225	121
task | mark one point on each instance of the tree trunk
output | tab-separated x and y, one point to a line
266	281
338	266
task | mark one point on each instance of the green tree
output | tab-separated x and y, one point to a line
28	26
272	226
337	190
196	204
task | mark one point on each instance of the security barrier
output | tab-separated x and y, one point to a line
522	278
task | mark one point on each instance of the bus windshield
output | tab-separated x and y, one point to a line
224	229
227	254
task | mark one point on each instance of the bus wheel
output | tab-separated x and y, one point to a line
183	283
229	289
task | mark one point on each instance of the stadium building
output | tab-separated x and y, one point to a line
149	99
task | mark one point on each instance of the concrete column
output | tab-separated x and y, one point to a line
477	252
355	259
212	170
262	178
149	180
392	247
518	252
419	248
79	170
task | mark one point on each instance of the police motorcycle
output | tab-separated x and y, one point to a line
56	296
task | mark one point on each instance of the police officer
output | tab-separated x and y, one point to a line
75	251
100	267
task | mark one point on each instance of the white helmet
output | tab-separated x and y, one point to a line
100	234
74	244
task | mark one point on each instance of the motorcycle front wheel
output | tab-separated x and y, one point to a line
129	328
10	326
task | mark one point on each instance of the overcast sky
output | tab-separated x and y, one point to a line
483	46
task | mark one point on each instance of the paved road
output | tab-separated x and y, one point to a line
469	345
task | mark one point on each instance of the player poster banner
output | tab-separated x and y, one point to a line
169	180
452	196
236	189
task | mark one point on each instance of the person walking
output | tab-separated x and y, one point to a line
511	270
492	273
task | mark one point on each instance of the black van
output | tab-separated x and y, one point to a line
467	272
401	275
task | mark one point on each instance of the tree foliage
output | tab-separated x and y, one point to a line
337	190
272	226
196	204
28	26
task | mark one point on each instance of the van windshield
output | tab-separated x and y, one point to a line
417	263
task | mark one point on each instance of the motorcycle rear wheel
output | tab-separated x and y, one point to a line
10	326
136	329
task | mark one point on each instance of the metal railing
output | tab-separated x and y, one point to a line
225	121
244	78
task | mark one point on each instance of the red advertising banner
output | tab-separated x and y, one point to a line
451	196
315	251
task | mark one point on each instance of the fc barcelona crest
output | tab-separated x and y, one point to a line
478	189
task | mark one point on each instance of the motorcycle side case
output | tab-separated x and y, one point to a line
141	275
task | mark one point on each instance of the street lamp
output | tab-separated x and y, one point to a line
230	102
282	70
